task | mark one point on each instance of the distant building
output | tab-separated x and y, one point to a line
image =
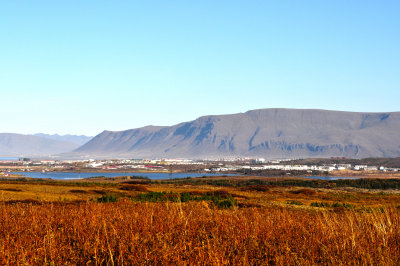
360	167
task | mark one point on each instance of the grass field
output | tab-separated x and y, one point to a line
199	223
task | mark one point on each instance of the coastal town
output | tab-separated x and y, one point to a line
224	165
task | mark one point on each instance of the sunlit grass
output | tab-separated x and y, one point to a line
189	224
194	233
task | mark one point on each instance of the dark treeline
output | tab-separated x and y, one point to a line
272	172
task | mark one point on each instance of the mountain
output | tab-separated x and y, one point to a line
268	133
80	140
28	145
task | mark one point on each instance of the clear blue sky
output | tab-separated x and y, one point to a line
81	67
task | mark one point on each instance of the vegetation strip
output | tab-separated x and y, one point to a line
357	183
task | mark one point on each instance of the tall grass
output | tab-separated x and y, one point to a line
167	233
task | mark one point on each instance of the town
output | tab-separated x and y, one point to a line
223	165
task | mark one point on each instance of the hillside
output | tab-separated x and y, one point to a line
269	133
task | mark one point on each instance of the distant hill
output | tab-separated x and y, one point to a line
268	133
28	145
80	140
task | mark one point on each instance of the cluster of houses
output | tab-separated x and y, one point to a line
154	164
220	165
287	167
149	164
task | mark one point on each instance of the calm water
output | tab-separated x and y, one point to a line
70	176
330	177
9	158
73	175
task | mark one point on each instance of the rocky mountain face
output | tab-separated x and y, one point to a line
29	145
268	133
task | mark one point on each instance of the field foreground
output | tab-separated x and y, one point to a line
238	226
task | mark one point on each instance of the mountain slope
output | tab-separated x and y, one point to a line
28	145
79	140
269	133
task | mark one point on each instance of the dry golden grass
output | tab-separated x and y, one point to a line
45	192
194	233
58	224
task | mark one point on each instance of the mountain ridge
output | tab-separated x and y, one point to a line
269	133
77	139
12	144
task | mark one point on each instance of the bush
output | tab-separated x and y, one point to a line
304	191
342	205
140	177
294	202
220	198
320	204
157	196
333	205
108	198
227	203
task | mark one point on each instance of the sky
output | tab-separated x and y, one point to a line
81	67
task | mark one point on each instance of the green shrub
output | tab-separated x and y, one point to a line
221	199
108	198
152	196
140	177
320	204
343	205
294	202
333	205
227	203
